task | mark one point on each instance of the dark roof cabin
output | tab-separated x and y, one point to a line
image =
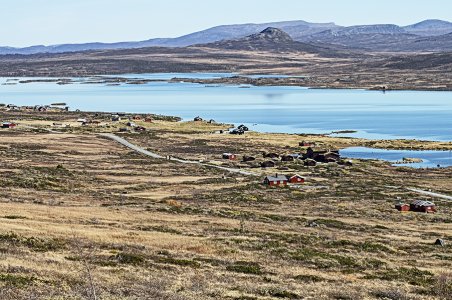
329	157
248	158
310	163
277	180
243	127
322	155
287	158
271	155
140	129
423	206
198	119
268	164
237	132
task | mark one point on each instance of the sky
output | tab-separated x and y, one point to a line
45	22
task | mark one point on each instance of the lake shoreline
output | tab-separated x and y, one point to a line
239	79
373	115
330	138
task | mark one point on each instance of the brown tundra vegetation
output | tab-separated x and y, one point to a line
84	217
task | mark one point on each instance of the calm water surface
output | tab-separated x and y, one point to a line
431	159
375	115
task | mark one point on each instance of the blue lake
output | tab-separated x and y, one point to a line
375	115
431	159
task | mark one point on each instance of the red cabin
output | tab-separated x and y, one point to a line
297	179
278	180
229	156
402	207
307	144
8	125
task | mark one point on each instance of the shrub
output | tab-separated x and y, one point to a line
14	217
283	294
391	294
309	278
130	258
413	276
245	267
16	280
443	286
180	262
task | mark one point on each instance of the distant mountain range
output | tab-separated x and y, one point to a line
426	36
270	39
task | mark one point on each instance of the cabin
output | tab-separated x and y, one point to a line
307	144
115	118
148	120
310	163
8	125
229	156
140	129
322	155
329	157
198	119
277	180
423	206
297	179
402	207
268	164
271	155
248	158
11	107
243	127
237	132
40	108
287	158
137	118
211	121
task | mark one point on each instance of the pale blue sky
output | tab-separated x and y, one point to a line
31	22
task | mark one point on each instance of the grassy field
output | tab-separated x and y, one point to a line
86	218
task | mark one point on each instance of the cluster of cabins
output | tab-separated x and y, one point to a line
199	119
240	130
310	158
417	206
36	108
131	123
283	180
117	118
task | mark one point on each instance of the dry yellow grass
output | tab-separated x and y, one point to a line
75	205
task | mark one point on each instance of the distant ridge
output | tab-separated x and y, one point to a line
379	37
430	28
270	40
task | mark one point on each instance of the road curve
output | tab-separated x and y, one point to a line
157	156
431	194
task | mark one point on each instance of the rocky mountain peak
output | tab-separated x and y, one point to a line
273	34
